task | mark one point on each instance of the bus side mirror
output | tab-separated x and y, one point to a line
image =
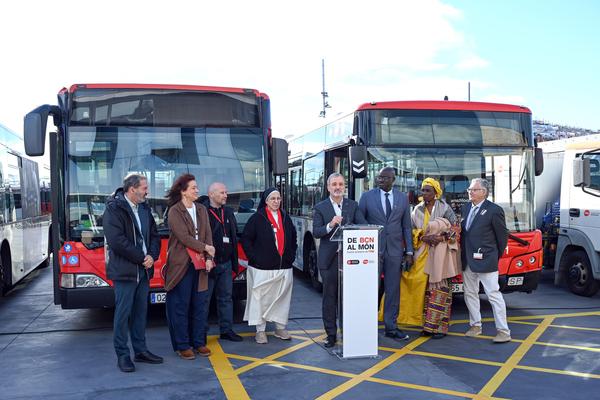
358	161
539	161
279	156
35	129
581	172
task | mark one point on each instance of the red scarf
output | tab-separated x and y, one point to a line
278	228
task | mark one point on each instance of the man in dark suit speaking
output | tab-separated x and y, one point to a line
327	216
483	239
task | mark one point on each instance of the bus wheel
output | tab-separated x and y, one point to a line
46	262
5	273
580	278
313	270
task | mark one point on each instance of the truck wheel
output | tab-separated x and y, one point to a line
313	270
579	276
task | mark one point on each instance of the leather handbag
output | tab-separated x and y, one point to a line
197	259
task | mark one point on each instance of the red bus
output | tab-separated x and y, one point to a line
106	131
451	141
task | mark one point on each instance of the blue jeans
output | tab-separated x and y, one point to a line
220	282
185	312
131	308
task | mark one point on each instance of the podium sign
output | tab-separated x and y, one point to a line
360	259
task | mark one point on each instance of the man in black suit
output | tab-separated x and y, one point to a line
484	238
327	216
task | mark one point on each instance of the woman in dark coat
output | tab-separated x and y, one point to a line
187	287
269	241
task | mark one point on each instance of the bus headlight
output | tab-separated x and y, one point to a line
89	280
67	281
532	260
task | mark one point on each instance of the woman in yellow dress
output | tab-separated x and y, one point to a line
414	283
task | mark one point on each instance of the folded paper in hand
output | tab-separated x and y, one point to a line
197	258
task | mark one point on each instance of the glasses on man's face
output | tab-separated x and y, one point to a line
473	189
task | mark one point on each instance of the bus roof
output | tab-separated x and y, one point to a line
443	105
151	86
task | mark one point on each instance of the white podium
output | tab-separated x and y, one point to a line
358	269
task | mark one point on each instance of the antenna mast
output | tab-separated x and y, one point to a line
324	93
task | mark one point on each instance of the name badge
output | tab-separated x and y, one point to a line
225	239
478	256
275	230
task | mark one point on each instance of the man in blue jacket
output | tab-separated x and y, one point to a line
133	245
389	207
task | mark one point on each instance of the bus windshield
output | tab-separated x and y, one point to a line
99	158
507	170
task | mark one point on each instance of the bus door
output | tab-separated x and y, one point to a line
337	161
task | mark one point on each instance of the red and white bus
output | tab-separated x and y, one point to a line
106	131
451	141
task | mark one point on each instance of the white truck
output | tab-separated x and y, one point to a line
576	245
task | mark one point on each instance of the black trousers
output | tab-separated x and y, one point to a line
330	297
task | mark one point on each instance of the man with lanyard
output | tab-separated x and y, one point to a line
224	231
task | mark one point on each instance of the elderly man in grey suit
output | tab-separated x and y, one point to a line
390	208
327	216
483	239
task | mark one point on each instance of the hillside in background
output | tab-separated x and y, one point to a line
545	131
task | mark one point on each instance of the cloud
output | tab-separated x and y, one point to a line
388	50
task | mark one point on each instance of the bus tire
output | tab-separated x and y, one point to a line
46	262
579	275
5	271
314	270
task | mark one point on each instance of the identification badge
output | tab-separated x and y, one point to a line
225	239
478	256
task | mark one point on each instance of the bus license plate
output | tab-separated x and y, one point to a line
515	281
157	298
456	287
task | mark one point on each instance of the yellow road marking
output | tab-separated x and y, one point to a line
581	328
281	353
500	376
569	346
456	358
373	370
231	384
351	375
559	371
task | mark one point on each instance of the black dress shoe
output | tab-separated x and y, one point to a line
438	335
397	335
330	342
125	364
148	357
425	333
232	336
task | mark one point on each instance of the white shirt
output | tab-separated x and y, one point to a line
134	208
275	215
192	212
391	197
337	208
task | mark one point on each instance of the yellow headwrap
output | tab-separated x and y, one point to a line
434	184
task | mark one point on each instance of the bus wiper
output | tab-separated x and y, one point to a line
517	239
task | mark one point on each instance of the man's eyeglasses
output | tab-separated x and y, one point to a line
474	190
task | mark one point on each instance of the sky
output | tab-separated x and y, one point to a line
544	55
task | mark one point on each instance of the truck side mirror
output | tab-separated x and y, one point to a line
358	161
581	172
279	156
539	161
